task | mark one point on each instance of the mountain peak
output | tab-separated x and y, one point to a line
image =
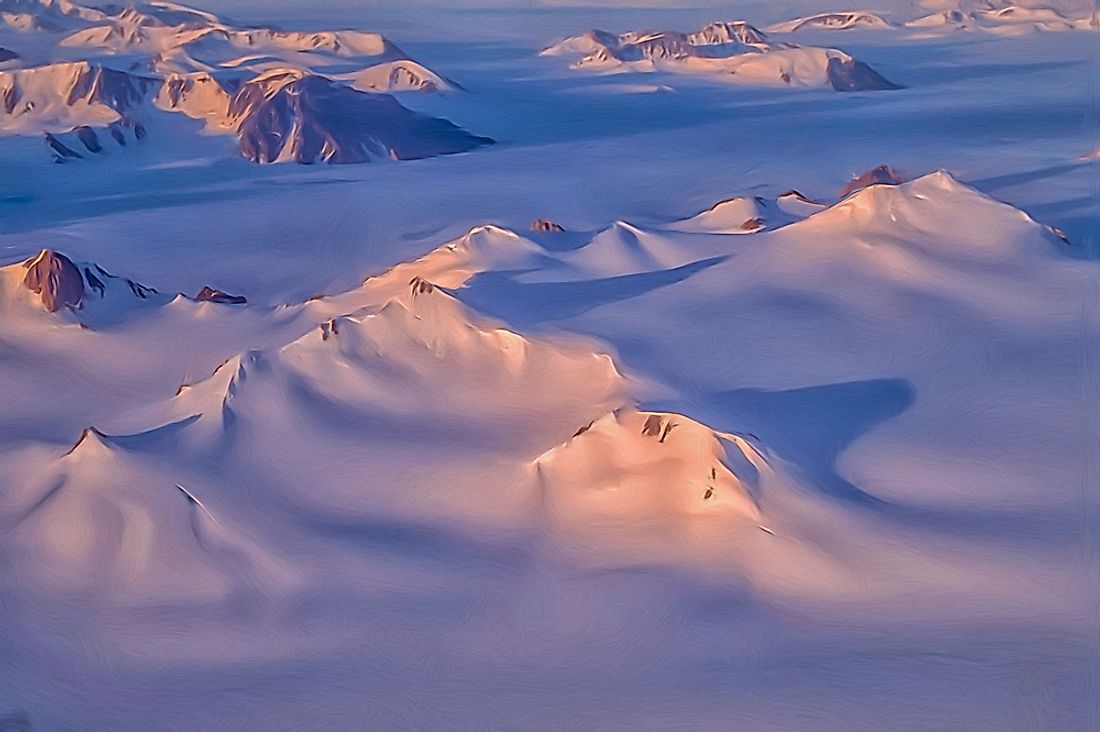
59	282
55	279
210	294
845	20
879	175
546	225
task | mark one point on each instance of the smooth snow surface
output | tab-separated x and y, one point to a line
685	406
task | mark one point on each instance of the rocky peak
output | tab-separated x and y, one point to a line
55	279
881	174
209	294
546	225
848	75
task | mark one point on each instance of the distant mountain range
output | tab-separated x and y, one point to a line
89	78
732	51
994	17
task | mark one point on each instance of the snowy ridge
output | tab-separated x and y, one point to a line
1004	19
832	21
734	52
98	519
388	457
749	215
52	282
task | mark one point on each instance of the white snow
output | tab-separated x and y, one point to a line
730	450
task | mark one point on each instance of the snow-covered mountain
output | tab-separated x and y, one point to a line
734	52
1005	19
389	460
64	95
750	214
367	373
52	287
692	407
285	115
832	21
995	16
52	281
121	68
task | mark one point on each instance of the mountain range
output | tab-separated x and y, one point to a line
93	79
731	51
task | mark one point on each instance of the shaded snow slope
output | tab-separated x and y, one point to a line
749	215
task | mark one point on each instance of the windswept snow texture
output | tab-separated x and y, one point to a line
735	52
688	406
286	96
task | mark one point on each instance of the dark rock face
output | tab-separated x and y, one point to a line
55	279
420	286
176	88
404	78
209	294
852	75
94	282
312	119
546	225
7	55
64	146
116	89
87	136
721	33
882	174
61	152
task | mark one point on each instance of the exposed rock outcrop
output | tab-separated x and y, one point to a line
881	174
59	282
733	51
209	294
55	279
288	96
546	225
61	151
